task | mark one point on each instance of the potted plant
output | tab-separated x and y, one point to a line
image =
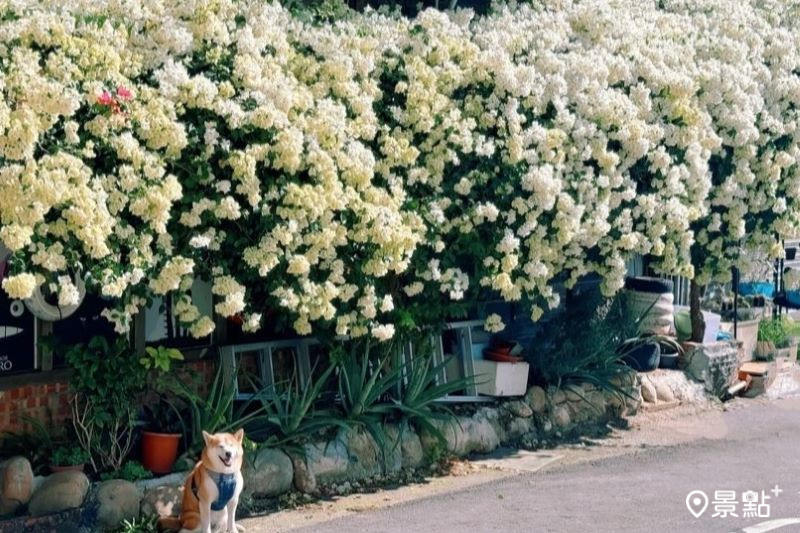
161	436
66	458
771	334
163	422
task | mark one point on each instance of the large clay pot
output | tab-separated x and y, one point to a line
650	301
159	451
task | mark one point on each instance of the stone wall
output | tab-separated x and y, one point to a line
540	417
352	455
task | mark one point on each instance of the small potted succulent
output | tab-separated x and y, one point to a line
66	458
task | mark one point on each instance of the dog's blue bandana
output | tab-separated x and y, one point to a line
226	487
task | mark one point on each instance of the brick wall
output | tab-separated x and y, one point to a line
46	402
49	402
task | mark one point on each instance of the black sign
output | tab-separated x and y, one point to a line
17	334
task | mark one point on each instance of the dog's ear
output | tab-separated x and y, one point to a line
207	437
239	435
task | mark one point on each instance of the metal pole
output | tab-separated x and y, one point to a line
777	287
735	275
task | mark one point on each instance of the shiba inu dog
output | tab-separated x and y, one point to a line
211	491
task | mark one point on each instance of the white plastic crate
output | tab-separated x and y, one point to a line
501	379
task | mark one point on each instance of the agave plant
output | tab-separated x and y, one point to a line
215	411
417	394
422	389
291	414
365	385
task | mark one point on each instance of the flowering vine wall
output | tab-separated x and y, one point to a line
368	174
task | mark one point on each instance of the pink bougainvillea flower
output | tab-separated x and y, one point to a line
124	94
106	99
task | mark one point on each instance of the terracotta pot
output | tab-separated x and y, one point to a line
159	451
501	357
503	347
66	468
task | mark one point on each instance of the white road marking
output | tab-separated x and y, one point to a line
769	525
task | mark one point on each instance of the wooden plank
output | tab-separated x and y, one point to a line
755	369
44	355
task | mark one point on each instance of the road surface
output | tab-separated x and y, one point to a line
642	487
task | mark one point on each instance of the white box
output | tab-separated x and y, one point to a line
712	321
501	379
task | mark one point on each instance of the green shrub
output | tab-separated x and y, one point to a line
773	330
130	471
420	388
69	456
139	525
108	381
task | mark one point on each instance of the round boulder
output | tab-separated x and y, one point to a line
16	484
270	473
364	453
328	461
411	447
517	427
537	399
304	479
162	500
649	391
561	416
519	409
598	403
664	392
117	499
59	492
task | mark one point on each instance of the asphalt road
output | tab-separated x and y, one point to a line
645	491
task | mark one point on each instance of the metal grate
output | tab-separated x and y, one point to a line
461	333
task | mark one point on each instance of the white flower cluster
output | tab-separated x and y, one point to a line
346	173
553	141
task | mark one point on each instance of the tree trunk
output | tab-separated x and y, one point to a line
698	324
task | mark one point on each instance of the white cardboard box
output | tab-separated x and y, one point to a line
501	379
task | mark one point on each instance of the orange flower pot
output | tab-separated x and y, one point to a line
66	468
159	451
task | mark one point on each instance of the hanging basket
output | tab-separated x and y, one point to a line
42	309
